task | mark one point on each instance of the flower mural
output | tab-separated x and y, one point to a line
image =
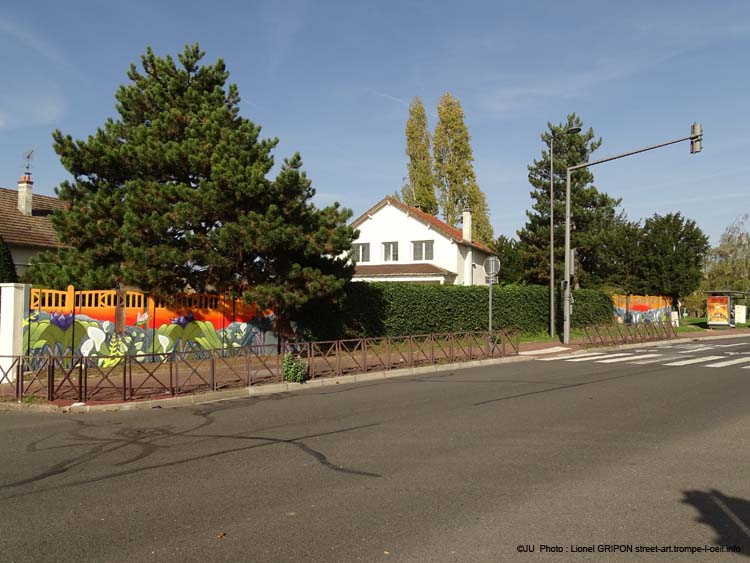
61	320
183	320
68	334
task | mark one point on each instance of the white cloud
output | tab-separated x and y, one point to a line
389	97
21	34
30	109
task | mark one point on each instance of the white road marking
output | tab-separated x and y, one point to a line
571	357
662	359
627	359
698	349
598	356
729	363
694	361
544	351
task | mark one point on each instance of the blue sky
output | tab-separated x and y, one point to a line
333	81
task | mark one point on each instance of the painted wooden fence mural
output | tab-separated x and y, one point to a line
75	322
642	308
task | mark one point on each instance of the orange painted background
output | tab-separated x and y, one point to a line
219	310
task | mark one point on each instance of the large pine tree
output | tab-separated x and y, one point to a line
593	213
420	191
454	170
174	195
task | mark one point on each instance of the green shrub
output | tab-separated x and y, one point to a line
294	369
7	268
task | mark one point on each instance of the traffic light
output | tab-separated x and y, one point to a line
696	138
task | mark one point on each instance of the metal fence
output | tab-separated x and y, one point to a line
619	333
134	377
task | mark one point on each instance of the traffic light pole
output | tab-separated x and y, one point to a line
695	138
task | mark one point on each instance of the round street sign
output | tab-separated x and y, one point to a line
491	266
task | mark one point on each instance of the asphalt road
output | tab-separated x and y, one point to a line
463	465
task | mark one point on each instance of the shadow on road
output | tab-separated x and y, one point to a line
728	516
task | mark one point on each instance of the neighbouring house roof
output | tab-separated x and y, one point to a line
452	233
421	269
28	230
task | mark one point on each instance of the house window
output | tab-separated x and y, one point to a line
390	252
422	249
361	252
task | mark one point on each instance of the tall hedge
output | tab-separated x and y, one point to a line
7	268
399	309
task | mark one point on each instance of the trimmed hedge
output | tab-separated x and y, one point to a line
400	309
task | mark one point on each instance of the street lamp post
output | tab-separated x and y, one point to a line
568	131
695	138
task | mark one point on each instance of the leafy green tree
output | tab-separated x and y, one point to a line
593	213
728	264
174	195
420	191
7	267
454	170
508	252
673	253
621	252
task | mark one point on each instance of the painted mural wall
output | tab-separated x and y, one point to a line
83	323
642	308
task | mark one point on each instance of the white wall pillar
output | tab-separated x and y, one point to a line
14	304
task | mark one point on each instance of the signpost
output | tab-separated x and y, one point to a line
491	269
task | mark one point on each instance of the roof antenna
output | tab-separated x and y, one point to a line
28	155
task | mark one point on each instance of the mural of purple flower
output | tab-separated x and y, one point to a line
183	320
62	320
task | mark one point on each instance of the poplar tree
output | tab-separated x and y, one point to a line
174	195
454	170
420	191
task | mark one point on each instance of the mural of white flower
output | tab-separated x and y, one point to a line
142	319
96	335
164	341
86	347
105	326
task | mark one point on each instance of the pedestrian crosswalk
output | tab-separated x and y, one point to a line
698	355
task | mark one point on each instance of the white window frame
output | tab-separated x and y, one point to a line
390	251
357	252
423	245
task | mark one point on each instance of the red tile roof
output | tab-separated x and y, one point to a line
420	269
24	230
452	233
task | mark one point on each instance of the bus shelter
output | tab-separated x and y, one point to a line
721	308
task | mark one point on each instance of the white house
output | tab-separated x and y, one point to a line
398	242
25	225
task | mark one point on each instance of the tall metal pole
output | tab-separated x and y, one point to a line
566	281
552	235
696	135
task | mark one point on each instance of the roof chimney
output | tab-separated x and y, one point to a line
467	224
24	193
